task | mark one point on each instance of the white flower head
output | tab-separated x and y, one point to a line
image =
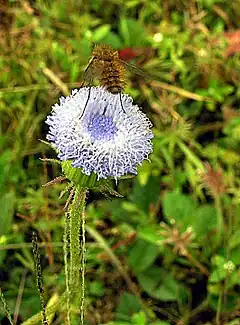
103	139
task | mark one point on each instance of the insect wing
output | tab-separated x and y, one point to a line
88	74
134	69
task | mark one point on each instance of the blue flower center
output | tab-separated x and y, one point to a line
101	127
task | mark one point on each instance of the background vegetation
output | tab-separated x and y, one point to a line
168	252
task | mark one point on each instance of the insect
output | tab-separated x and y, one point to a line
106	66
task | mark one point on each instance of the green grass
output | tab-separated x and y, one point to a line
168	251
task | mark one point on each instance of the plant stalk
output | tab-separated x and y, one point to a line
76	235
76	213
220	223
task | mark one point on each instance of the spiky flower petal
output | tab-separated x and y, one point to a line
104	140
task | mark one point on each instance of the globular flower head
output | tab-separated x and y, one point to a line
103	139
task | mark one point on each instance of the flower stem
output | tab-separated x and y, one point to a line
77	244
219	220
196	263
83	257
66	240
76	211
190	155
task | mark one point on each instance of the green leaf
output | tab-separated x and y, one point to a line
113	40
131	32
159	284
204	220
179	207
149	234
234	240
143	196
220	272
234	279
4	167
100	33
128	306
142	255
139	318
7	204
235	256
217	275
84	46
96	288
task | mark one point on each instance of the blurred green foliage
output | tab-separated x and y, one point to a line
175	234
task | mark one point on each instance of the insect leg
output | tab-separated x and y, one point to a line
88	75
89	93
120	95
104	110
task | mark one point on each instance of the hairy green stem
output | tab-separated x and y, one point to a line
77	245
83	259
76	211
220	223
73	246
66	264
190	155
